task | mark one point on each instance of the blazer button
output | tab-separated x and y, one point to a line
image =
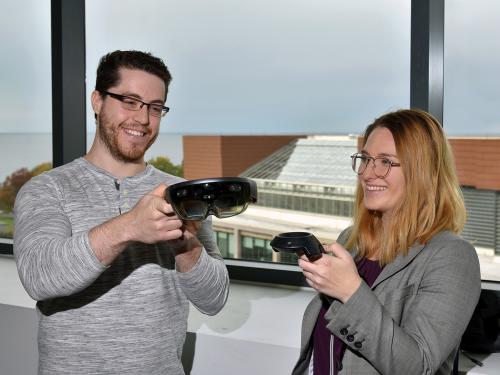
344	331
358	345
350	338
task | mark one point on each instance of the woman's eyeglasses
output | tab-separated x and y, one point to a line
381	165
222	197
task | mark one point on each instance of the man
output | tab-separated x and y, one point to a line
110	264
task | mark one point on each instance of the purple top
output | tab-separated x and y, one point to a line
368	270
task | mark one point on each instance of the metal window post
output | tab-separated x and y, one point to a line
427	56
69	129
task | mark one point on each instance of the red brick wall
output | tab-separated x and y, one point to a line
202	156
477	161
217	156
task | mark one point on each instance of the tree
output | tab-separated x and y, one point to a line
11	186
14	182
164	164
40	168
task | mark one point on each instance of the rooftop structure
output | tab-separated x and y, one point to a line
313	175
322	160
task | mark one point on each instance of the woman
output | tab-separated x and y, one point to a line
400	286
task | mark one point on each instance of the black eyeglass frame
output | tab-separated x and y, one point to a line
372	159
170	197
121	98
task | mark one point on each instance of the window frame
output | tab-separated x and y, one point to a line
69	115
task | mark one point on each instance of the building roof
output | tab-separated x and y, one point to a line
269	222
323	160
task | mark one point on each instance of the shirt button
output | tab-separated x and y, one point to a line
358	345
344	331
350	338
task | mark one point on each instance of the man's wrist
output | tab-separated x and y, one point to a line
109	239
186	258
185	245
124	229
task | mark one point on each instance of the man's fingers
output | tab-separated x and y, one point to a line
172	235
159	191
193	225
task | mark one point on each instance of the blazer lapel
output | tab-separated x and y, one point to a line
399	263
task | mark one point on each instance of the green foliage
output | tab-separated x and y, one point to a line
40	168
10	187
14	182
6	226
164	164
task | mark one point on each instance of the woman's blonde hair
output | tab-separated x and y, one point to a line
432	202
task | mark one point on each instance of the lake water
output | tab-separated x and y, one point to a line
26	150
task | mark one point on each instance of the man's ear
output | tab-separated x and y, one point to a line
96	100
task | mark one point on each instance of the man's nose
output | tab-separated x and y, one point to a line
143	114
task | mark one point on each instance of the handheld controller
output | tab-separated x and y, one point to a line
296	242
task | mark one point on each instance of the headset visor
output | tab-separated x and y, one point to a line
222	197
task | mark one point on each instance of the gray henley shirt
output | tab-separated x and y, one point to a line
128	318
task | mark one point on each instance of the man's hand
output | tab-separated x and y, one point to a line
188	246
334	274
153	220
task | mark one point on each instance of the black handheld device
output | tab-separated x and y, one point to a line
296	242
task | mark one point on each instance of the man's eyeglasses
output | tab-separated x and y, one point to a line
381	165
221	196
134	104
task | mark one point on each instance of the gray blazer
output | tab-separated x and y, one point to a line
411	320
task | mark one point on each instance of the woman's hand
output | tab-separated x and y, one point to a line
334	274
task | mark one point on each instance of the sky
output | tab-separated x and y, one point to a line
263	67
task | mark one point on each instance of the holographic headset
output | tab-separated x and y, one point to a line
219	196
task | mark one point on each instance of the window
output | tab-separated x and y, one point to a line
226	244
26	104
326	77
471	76
327	67
346	63
256	249
471	121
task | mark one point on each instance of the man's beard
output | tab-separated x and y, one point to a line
109	136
